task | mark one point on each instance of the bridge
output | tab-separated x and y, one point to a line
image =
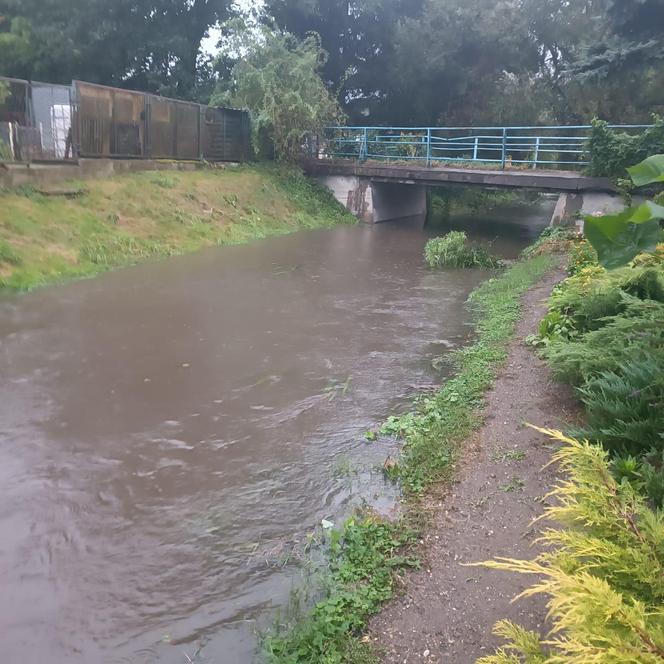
383	173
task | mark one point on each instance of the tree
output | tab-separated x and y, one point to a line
451	63
152	45
277	79
358	36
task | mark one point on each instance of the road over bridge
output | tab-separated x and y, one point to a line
382	174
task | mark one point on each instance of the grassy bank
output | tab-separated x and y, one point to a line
109	223
368	553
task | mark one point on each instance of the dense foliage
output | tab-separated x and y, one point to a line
618	238
150	45
610	152
409	62
602	571
427	62
604	334
278	81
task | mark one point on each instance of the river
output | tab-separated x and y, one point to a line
170	433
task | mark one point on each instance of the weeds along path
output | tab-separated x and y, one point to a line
446	611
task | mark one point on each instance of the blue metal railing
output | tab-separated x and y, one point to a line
518	147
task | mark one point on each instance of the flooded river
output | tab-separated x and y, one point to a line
170	433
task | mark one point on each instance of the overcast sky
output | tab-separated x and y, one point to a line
209	44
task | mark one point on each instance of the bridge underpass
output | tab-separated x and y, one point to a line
382	174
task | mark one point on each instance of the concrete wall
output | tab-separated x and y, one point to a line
354	193
374	202
570	208
398	201
14	175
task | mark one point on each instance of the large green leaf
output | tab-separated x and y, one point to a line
618	238
648	171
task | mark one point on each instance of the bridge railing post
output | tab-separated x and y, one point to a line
476	147
428	147
537	150
364	148
503	158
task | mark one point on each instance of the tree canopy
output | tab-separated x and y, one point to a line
388	61
277	78
152	45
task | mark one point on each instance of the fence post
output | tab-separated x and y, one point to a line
475	147
428	147
147	147
201	128
504	152
537	148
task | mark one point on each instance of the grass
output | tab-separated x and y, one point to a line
368	553
131	218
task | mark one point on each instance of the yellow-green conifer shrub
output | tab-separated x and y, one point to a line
602	569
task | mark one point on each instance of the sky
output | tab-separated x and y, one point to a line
209	44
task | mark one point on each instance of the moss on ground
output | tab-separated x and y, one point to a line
126	219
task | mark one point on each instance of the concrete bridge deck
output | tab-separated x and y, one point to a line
536	179
376	192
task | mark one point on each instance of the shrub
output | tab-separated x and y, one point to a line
553	239
645	474
656	258
636	333
593	295
611	152
582	256
603	571
454	250
625	407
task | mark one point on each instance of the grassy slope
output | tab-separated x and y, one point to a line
369	552
126	219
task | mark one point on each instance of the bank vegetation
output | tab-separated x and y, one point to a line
80	229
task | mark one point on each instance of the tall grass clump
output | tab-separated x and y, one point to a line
602	570
454	250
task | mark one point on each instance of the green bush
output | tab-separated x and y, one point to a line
589	298
611	152
454	250
582	256
645	474
625	407
602	571
636	333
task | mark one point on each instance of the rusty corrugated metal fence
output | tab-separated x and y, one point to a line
44	122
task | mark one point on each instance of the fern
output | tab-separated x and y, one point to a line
602	571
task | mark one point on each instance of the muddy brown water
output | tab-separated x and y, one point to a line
170	433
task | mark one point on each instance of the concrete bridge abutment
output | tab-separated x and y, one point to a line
375	202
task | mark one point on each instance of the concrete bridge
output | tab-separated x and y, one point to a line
383	174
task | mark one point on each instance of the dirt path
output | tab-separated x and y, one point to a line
446	612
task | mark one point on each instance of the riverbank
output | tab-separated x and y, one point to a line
370	555
446	612
80	229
